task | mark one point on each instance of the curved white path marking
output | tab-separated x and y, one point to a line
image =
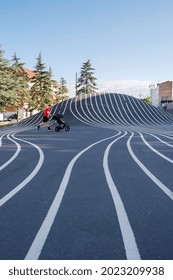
96	122
98	108
132	252
129	112
89	112
104	110
76	113
99	119
122	118
14	156
164	116
153	149
27	179
166	136
85	111
41	236
1	139
164	188
144	112
125	110
138	111
134	110
112	110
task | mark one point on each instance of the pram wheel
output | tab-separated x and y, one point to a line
62	126
57	128
67	128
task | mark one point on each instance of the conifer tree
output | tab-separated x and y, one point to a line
41	91
16	61
62	93
7	83
86	83
21	83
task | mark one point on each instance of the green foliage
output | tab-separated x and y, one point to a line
62	92
147	100
86	82
41	90
14	85
7	83
21	83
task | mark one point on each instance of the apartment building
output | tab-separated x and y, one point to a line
162	94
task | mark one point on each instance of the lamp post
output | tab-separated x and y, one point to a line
76	84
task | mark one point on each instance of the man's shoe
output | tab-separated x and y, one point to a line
38	127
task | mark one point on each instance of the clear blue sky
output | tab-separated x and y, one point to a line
124	39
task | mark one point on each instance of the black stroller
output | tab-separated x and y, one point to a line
62	125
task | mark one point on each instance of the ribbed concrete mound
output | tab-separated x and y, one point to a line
106	109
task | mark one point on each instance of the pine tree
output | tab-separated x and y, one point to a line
62	93
41	91
7	83
86	83
15	61
21	83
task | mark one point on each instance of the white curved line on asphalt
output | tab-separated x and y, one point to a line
103	118
75	111
29	178
134	110
96	122
85	110
14	156
166	143
140	106
132	252
116	117
1	139
108	120
154	150
41	236
122	119
89	114
129	112
125	111
114	120
98	119
164	188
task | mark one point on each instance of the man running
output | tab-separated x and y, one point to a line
46	115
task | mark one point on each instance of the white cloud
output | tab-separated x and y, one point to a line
134	88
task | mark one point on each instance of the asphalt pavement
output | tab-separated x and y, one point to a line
101	191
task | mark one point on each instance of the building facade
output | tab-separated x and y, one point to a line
162	94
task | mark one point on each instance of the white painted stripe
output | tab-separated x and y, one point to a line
166	143
154	150
1	139
122	119
14	156
132	252
164	188
28	179
41	236
98	108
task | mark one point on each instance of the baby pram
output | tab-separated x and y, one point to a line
62	125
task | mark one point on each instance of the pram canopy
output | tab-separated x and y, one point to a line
58	117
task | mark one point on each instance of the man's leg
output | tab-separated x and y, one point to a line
48	125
